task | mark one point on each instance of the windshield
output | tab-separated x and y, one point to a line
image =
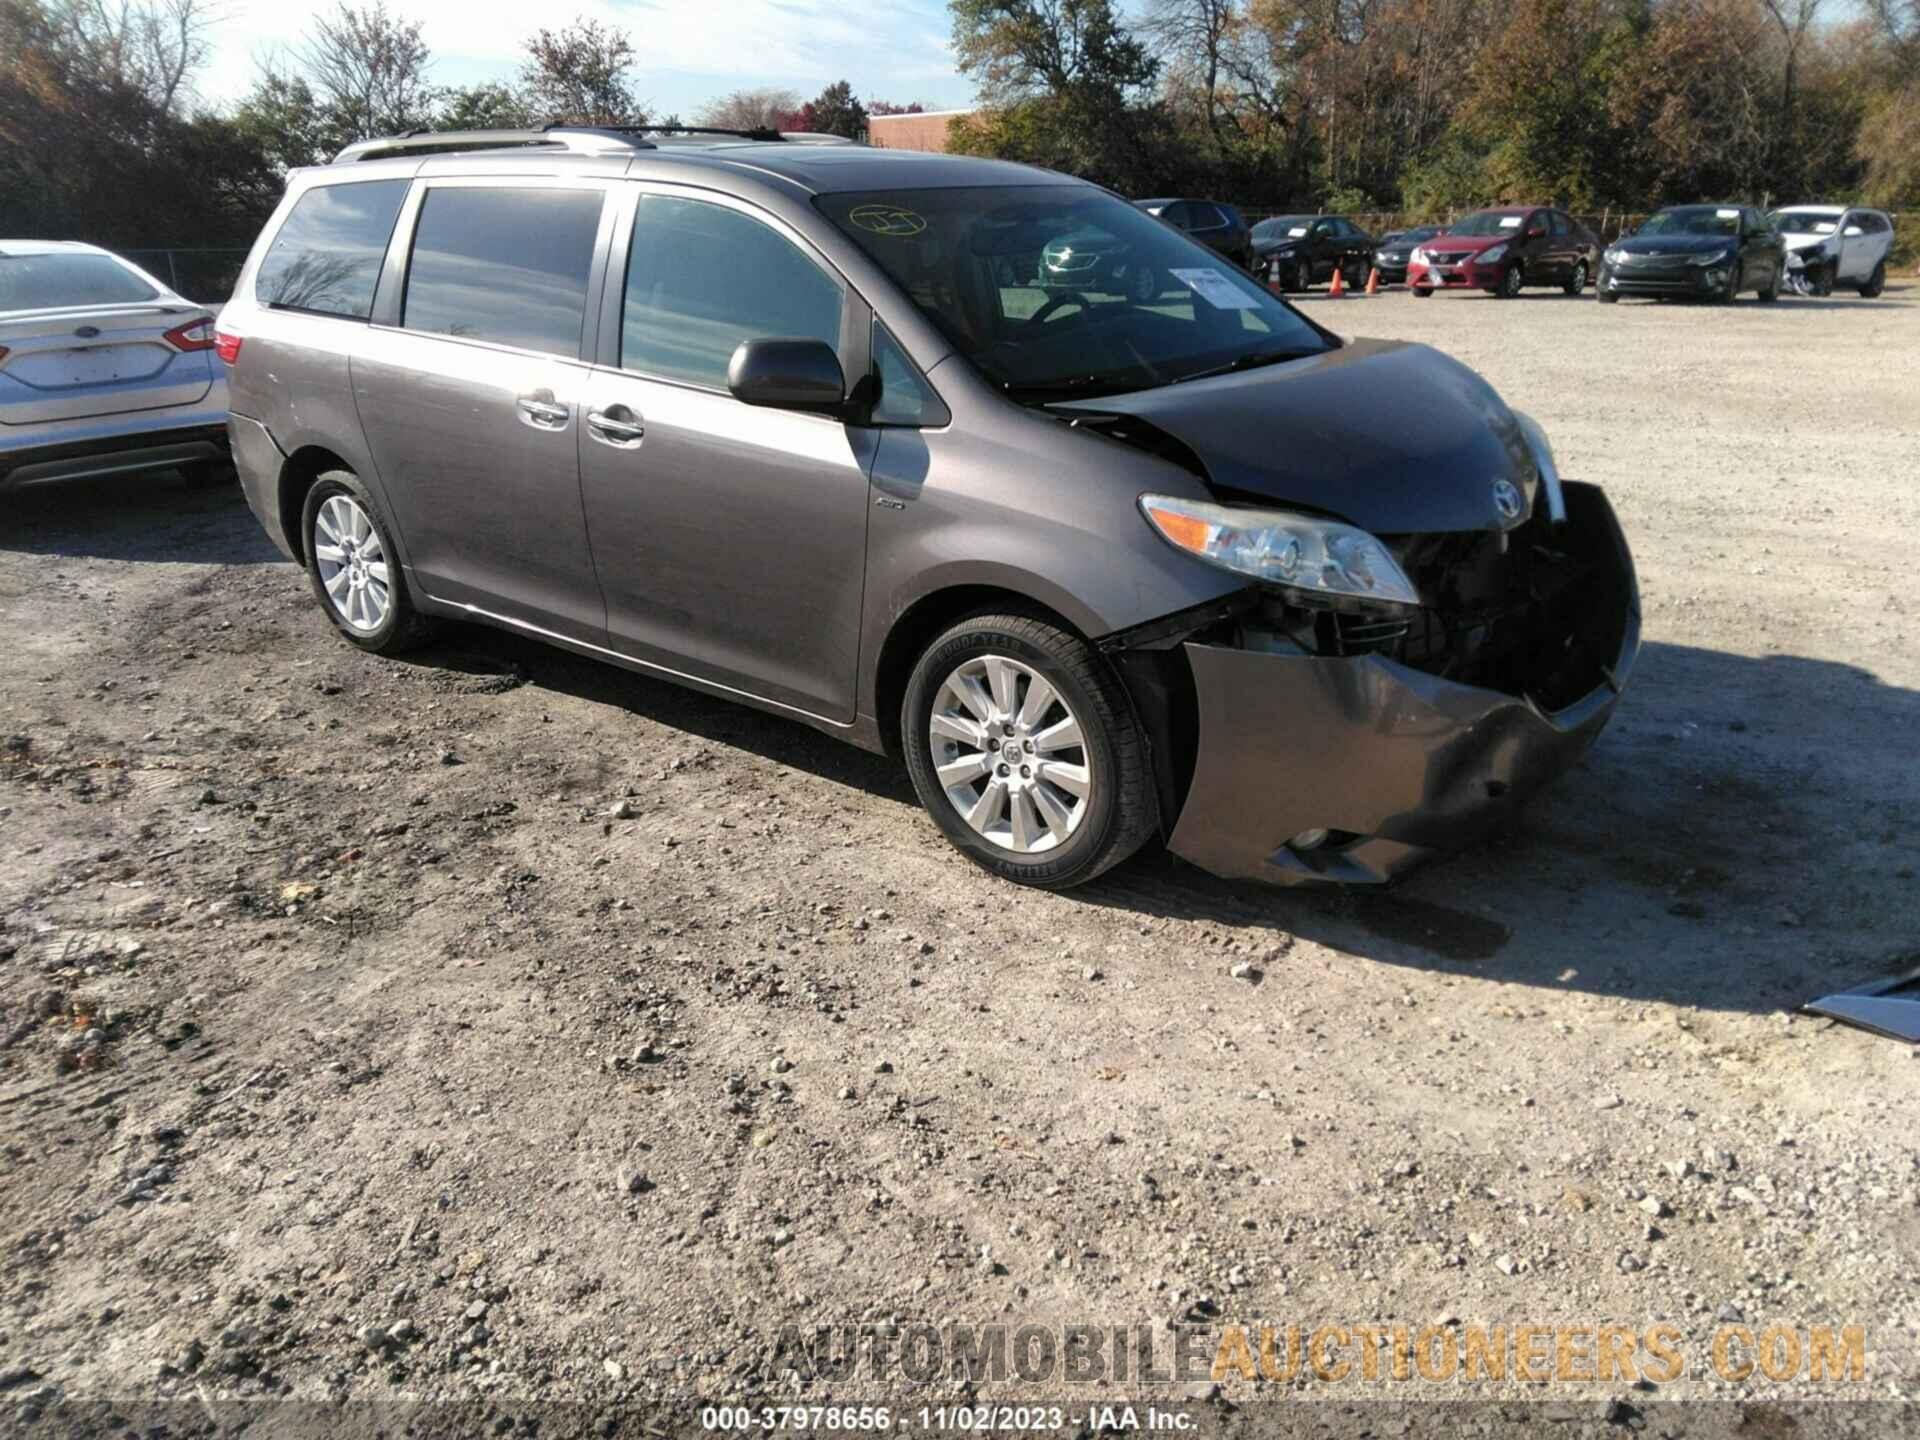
1282	227
1804	222
1488	222
1413	236
1693	220
1055	290
57	281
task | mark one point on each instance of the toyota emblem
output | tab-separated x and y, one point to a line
1508	500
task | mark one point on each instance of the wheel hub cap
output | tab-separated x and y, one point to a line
352	564
1010	755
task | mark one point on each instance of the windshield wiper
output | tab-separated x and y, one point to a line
1067	385
1252	360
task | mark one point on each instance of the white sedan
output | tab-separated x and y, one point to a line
1829	245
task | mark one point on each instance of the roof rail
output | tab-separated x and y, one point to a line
575	139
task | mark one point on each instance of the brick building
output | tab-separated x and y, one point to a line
925	131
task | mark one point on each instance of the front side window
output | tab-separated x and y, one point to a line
701	278
1054	291
58	281
507	265
905	398
326	258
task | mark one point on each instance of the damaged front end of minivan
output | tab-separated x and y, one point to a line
1309	737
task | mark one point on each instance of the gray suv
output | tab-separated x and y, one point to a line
778	421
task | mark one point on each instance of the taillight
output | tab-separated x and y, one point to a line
196	334
227	345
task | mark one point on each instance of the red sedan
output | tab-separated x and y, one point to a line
1503	251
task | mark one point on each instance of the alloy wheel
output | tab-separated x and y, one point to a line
352	563
1511	281
1010	755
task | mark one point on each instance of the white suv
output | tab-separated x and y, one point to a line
1830	245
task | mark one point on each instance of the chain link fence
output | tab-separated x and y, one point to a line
202	275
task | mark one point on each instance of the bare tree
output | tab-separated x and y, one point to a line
579	74
1794	19
370	69
147	46
766	108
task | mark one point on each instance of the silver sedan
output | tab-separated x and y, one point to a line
103	369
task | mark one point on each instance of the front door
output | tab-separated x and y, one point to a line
730	540
471	401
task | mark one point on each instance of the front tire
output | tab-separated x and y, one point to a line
1023	748
1511	279
354	567
1822	282
1876	282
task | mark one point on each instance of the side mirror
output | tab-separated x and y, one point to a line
1852	230
787	375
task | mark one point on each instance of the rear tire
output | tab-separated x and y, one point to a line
1876	282
1079	798
1578	281
360	585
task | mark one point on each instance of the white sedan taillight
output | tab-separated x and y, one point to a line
196	334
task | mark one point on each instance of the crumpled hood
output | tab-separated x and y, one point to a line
1674	244
1394	437
1805	240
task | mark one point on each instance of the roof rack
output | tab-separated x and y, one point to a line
575	139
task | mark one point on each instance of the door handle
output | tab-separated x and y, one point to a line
542	411
617	426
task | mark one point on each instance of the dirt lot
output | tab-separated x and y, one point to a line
352	1048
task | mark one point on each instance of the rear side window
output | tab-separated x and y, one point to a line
509	266
701	278
327	255
49	282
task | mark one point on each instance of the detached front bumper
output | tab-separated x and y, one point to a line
1395	764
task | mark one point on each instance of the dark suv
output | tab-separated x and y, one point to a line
1216	225
796	425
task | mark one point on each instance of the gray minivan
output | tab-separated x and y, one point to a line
797	424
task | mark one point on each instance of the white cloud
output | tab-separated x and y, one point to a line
689	50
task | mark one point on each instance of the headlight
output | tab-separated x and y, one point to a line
1282	549
1718	257
1419	256
1493	253
1543	460
1615	256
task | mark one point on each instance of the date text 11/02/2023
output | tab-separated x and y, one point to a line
945	1418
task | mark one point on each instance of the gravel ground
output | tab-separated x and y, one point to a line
496	1024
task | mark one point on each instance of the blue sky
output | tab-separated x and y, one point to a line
691	50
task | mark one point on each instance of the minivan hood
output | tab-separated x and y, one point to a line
1391	436
1675	244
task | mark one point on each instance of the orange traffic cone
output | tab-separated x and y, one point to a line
1373	281
1338	288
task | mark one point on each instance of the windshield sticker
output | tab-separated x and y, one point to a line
1509	222
1726	214
889	220
1296	232
1214	288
